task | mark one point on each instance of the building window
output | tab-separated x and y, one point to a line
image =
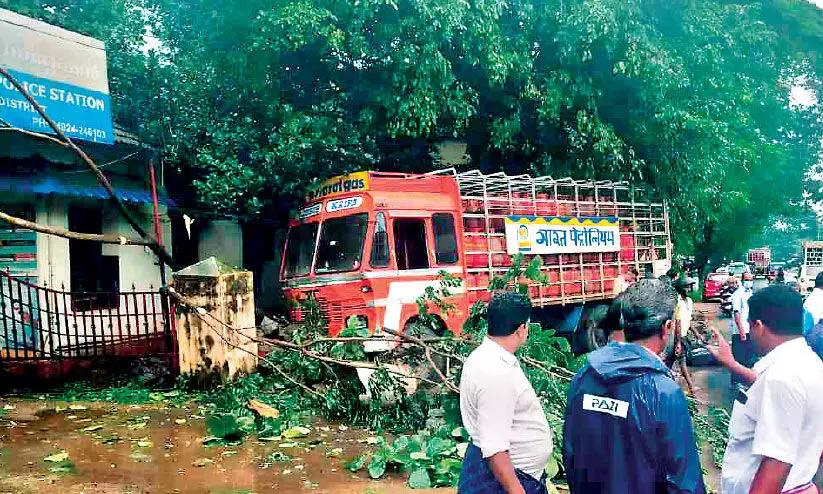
18	246
410	244
445	238
380	243
95	278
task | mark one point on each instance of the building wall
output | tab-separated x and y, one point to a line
53	252
224	240
137	264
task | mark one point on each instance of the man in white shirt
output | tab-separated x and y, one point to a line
776	427
813	307
683	313
742	347
511	442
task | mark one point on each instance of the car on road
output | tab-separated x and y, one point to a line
713	285
737	269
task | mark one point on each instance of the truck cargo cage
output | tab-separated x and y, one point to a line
574	277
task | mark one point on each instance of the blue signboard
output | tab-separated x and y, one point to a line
80	113
65	72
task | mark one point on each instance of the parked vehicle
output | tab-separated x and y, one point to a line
713	285
737	269
760	259
367	246
812	264
774	268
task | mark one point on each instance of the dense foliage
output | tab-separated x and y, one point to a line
252	101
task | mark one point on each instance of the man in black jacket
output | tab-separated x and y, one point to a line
627	427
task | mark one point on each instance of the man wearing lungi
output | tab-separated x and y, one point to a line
511	442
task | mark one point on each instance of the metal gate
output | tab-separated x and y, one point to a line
45	324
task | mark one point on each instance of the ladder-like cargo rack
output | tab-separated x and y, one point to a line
574	277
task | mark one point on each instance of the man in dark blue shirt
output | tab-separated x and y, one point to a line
627	427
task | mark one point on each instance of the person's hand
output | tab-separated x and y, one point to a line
678	349
742	336
722	352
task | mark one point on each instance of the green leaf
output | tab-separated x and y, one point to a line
229	426
448	465
377	468
358	463
400	444
245	424
57	457
438	446
552	468
296	432
419	479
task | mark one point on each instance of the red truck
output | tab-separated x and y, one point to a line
760	259
366	246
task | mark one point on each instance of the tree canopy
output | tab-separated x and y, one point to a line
252	101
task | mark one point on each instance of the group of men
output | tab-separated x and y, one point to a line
627	425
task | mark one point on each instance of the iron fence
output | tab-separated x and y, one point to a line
42	323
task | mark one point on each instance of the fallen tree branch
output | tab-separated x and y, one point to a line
454	389
59	232
36	135
153	244
201	313
303	348
424	342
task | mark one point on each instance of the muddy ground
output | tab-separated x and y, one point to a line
150	449
160	449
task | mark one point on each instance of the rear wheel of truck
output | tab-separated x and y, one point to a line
589	335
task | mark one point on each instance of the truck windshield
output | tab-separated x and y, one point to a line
341	244
300	250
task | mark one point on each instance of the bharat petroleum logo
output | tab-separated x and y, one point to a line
523	242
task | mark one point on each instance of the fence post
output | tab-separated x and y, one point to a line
218	342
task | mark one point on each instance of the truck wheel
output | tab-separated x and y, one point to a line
589	335
415	357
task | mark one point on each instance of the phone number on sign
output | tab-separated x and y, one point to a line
80	130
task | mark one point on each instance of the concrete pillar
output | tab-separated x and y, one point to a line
216	342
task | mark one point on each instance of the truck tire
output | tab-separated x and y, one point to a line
414	356
589	336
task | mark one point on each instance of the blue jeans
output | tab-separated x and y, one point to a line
476	477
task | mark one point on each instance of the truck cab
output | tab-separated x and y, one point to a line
367	246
